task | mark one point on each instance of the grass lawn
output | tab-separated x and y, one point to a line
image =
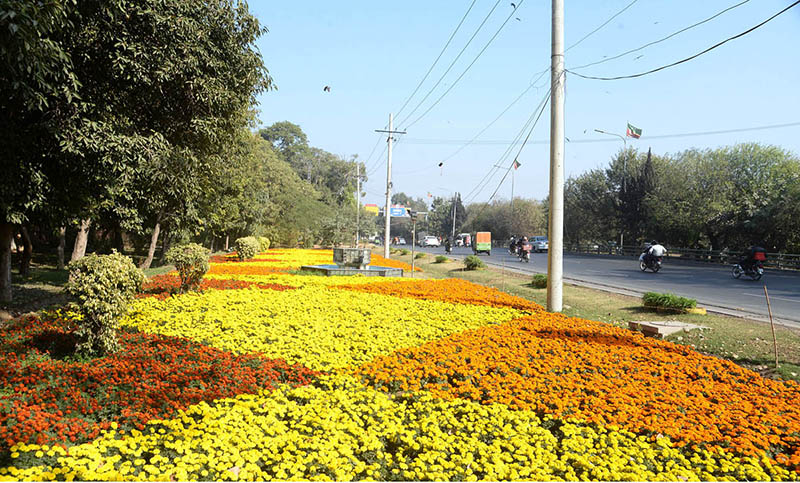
743	341
43	287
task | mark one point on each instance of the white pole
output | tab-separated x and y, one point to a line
387	212
453	238
555	255
358	200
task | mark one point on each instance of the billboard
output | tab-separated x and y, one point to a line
372	209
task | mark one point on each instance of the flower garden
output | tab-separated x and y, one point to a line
267	373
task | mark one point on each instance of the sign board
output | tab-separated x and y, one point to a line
371	209
397	211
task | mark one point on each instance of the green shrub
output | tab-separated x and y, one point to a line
247	247
539	281
472	262
191	261
419	255
441	259
103	286
404	252
668	301
263	243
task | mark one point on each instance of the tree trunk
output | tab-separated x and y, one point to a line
212	244
27	254
81	239
152	251
226	242
6	236
62	242
165	246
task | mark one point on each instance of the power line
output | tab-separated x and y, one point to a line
468	67
430	91
475	192
604	140
437	58
662	39
601	26
687	58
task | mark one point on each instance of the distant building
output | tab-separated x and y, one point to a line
372	209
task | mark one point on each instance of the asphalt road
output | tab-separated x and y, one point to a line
711	285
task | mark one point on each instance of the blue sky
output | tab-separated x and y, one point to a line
373	55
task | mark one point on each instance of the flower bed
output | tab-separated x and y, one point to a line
452	290
163	286
598	373
344	431
314	326
56	400
426	380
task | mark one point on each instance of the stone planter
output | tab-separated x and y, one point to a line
352	257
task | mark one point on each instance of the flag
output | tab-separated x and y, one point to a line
516	164
633	131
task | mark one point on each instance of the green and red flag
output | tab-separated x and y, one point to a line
633	131
516	164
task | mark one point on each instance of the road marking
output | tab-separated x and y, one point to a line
772	297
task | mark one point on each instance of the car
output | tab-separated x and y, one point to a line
540	243
401	241
430	241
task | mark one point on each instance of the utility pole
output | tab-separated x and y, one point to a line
453	238
358	201
387	211
555	255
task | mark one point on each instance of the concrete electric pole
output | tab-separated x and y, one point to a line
555	255
387	210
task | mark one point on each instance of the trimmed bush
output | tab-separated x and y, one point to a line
441	259
539	281
247	247
419	255
263	243
404	252
191	260
668	301
472	262
103	286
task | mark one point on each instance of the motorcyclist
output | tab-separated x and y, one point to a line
512	247
752	255
521	243
447	245
653	252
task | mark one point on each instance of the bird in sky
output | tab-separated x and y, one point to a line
326	88
513	4
440	164
638	57
519	19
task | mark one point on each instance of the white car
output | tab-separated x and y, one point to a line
539	243
430	241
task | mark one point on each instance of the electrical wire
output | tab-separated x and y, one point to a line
437	58
662	39
600	27
453	84
690	57
610	140
430	91
475	192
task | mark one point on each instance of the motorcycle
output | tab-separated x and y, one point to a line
512	249
525	252
755	270
448	248
653	263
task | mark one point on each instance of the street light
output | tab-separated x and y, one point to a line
624	169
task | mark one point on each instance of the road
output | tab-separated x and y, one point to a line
711	285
